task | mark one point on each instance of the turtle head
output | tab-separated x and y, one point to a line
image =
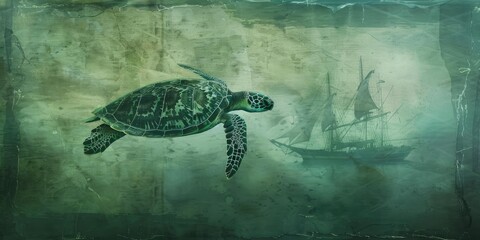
251	102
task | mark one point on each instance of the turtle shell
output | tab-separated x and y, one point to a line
173	108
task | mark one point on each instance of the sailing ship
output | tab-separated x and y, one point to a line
366	149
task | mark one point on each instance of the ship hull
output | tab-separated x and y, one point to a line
386	154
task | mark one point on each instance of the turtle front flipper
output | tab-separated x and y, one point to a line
236	132
100	138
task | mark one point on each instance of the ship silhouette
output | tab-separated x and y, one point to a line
372	147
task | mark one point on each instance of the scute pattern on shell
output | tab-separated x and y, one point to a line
172	108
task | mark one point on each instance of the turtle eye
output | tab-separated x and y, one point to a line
259	102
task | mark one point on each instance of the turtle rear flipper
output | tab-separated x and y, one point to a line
202	74
100	138
91	119
236	131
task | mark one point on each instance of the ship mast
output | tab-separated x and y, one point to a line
329	94
366	116
382	119
363	102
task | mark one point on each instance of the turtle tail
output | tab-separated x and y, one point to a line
100	138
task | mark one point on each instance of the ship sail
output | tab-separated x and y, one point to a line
328	116
302	129
363	101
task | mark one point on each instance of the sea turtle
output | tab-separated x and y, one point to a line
178	108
